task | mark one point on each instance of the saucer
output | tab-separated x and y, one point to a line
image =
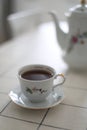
52	100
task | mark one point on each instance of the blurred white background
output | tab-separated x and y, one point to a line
9	7
57	5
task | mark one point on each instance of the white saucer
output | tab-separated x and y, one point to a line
52	100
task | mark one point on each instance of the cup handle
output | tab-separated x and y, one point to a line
63	80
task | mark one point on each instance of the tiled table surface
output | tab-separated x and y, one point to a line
30	48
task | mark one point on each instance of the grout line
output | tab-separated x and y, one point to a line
55	127
43	119
75	87
35	122
5	106
48	111
19	119
49	125
73	105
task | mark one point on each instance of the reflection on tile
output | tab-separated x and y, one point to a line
12	73
4	100
26	114
13	124
67	117
49	128
77	97
74	79
7	84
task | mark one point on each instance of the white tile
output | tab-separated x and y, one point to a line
48	128
13	124
75	96
68	117
15	111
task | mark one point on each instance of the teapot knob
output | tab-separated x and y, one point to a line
83	2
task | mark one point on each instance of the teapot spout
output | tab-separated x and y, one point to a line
60	34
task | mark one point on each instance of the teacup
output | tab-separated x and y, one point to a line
38	81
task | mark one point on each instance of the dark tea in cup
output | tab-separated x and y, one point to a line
36	75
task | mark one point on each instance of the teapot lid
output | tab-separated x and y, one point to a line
81	8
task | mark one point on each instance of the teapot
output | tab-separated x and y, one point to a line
74	42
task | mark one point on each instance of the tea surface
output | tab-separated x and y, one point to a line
36	75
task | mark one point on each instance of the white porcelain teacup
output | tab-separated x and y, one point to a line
37	81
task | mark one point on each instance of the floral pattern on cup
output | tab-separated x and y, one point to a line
34	90
77	39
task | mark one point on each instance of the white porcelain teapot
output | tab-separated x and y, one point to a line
75	41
